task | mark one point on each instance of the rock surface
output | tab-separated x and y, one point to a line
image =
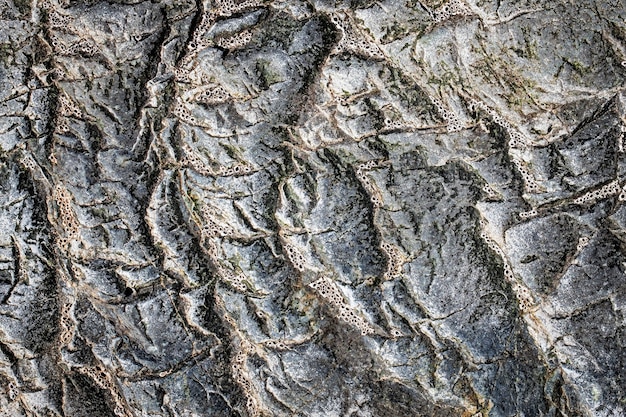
312	208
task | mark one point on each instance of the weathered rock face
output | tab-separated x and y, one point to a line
312	208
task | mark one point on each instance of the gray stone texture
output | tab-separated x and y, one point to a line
312	208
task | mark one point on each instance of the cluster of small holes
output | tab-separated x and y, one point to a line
582	242
241	377
46	4
605	191
213	228
359	46
82	47
524	297
622	194
229	7
516	139
181	74
58	45
491	243
327	289
340	21
211	96
369	165
206	21
528	214
29	163
236	41
190	159
508	272
275	345
237	281
451	9
530	184
251	406
395	260
77	272
349	316
226	275
295	257
367	184
67	107
232	323
197	43
376	199
393	124
490	192
195	163
57	20
99	375
235	170
12	391
68	219
522	293
67	324
62	126
345	99
453	124
396	333
354	42
184	114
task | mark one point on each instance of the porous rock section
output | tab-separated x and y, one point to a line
312	208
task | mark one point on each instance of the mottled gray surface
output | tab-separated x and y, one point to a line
312	208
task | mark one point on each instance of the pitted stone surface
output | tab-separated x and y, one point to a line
312	208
